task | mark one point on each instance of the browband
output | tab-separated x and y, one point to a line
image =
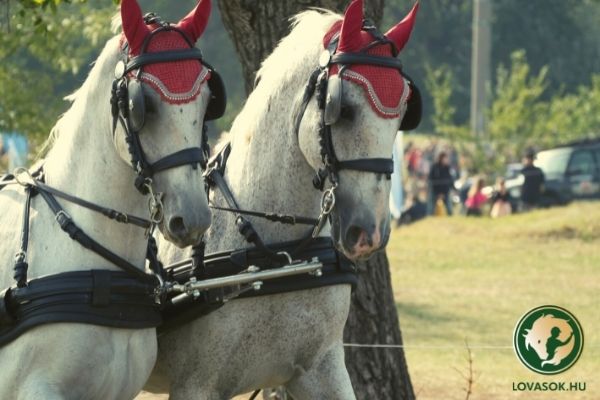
366	59
162	57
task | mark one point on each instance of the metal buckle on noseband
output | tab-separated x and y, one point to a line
155	205
327	205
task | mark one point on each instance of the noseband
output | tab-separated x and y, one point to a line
128	106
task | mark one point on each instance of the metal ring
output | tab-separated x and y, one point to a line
20	171
328	200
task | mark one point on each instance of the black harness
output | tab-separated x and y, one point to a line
122	299
130	298
337	269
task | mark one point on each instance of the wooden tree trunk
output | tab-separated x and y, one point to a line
255	28
376	373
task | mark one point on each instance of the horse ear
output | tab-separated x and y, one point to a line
133	25
400	33
351	27
195	22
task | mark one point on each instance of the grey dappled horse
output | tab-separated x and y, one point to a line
293	339
92	160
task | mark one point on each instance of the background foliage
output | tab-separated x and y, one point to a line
545	58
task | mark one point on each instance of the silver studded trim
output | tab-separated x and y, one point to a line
178	97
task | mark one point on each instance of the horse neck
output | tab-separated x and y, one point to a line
85	163
266	171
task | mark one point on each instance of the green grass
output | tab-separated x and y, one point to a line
464	278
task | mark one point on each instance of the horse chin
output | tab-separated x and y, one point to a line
177	241
348	251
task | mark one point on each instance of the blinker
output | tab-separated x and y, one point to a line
333	100
137	108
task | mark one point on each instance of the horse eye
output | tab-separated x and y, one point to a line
347	113
149	104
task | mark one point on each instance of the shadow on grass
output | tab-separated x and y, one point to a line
424	313
436	323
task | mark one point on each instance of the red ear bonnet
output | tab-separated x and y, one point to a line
195	22
177	82
385	88
400	33
134	28
351	28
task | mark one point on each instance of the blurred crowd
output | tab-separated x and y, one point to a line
436	181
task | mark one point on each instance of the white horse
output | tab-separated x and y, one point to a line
293	339
90	160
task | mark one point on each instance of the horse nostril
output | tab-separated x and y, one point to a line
177	226
353	235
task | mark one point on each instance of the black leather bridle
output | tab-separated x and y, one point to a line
319	81
128	106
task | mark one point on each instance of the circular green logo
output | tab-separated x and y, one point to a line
548	340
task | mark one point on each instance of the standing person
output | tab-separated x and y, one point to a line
441	181
501	200
533	185
476	199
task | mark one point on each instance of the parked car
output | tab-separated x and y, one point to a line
572	172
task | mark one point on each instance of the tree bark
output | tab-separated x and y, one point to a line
376	373
255	28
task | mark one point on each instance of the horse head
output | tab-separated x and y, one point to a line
363	99
161	96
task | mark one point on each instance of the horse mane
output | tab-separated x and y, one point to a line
100	71
288	66
307	29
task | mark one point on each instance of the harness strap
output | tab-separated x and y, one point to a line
107	212
215	178
376	165
20	268
366	59
66	224
309	90
162	57
282	218
192	155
